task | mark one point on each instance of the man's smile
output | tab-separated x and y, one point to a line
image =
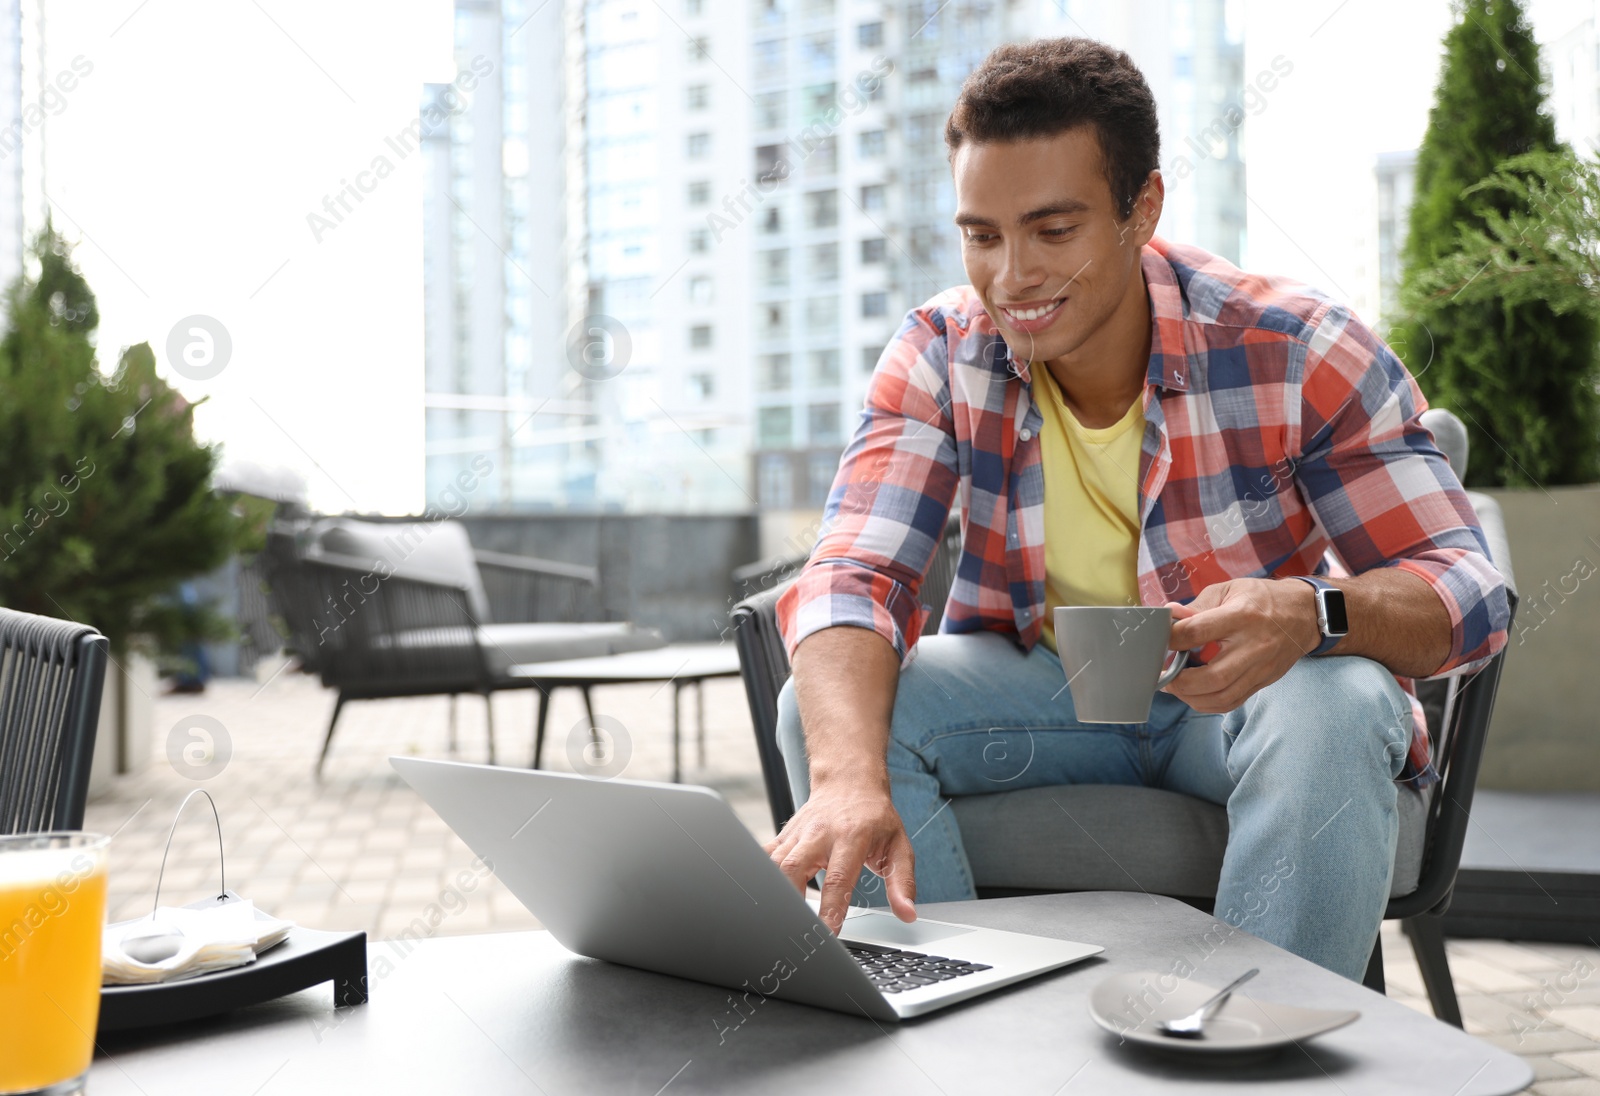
1034	318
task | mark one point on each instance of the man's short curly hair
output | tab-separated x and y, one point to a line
1028	90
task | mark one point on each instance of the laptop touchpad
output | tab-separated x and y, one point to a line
886	928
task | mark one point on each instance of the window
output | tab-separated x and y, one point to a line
825	262
770	163
821	469
772	321
775	267
823	420
775	428
924	129
869	358
816	100
824	368
700	289
699	146
770	109
873	198
772	219
692	8
700	336
874	250
817	51
768	13
869	35
874	304
769	59
699	240
699	49
823	159
773	373
816	9
702	385
699	193
822	313
776	484
822	209
872	143
697	96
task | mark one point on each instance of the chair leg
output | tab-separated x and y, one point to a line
538	726
338	706
452	724
594	727
1374	975
488	715
700	711
1427	941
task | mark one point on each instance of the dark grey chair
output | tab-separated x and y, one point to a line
381	611
51	676
1076	837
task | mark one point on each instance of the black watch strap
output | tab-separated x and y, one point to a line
1329	640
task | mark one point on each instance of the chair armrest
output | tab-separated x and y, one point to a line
525	590
533	565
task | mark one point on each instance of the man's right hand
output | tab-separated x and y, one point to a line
840	828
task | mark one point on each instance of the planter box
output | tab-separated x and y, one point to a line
1544	735
125	739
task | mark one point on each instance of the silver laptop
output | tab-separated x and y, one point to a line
664	877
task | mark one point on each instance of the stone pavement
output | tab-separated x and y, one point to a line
360	850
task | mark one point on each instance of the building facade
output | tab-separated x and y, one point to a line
667	243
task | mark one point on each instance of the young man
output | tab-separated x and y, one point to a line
1129	422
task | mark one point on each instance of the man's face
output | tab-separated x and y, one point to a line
1040	233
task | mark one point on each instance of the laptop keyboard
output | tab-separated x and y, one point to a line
895	971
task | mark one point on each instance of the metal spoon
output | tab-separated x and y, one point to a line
158	945
1188	1027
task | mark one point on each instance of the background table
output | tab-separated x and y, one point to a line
682	664
516	1012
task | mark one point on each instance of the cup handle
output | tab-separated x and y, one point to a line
1174	670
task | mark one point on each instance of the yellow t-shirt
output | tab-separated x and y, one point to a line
1091	505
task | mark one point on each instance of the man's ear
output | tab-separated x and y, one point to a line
1147	208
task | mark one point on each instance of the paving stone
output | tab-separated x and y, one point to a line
1502	953
1476	974
1584	1019
1581	1086
1585	1061
1551	1068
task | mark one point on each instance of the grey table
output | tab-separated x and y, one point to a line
517	1013
681	663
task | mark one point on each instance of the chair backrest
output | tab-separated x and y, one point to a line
1468	705
291	592
391	636
764	662
51	676
429	551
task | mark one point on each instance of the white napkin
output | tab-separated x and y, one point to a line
227	934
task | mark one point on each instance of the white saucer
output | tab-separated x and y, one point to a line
1131	1005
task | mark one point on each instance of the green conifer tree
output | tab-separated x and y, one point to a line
105	496
1519	374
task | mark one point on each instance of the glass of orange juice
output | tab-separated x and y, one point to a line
52	913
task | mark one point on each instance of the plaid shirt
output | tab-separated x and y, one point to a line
1277	427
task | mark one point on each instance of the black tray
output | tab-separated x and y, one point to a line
307	957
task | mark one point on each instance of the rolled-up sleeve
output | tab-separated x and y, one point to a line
1385	493
889	502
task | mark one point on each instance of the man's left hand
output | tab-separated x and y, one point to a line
1259	627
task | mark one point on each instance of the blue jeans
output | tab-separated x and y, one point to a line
1306	768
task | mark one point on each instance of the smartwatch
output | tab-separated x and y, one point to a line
1332	620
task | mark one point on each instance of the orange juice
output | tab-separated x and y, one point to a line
52	912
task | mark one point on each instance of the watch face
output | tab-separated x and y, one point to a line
1333	606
